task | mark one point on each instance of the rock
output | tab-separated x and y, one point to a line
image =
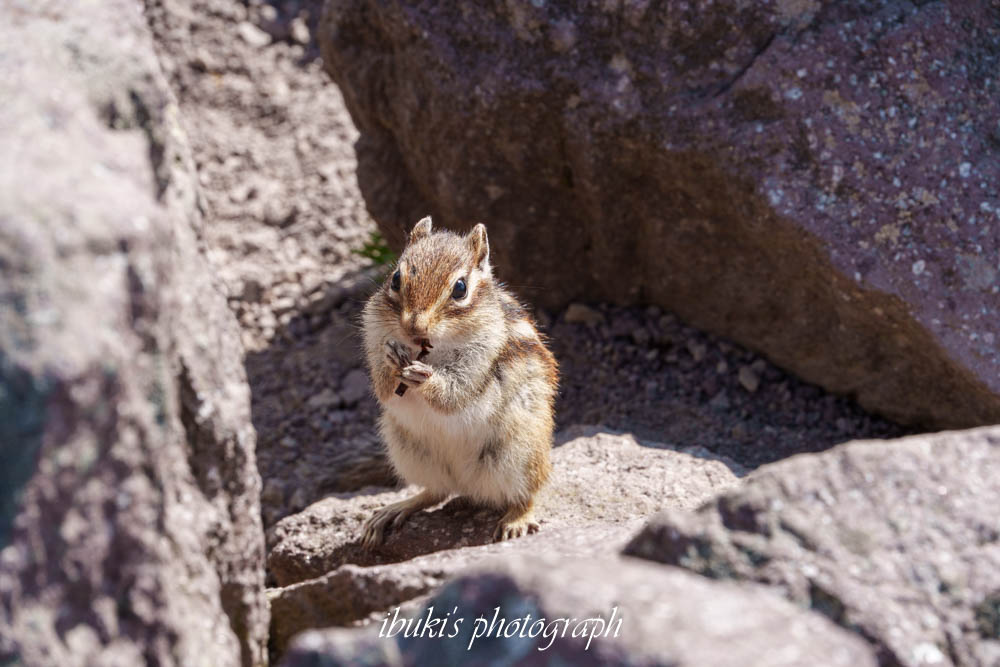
270	22
355	286
325	399
273	492
590	507
280	213
300	30
770	172
282	305
531	607
748	379
355	387
578	313
640	336
720	402
897	541
130	525
253	35
252	290
696	350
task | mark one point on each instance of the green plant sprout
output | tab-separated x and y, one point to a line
376	249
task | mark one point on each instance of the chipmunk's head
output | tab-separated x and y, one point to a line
440	285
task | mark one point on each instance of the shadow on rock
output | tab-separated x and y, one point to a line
455	524
312	406
636	370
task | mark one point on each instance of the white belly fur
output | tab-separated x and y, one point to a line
456	439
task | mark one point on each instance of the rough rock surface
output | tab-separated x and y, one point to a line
816	180
129	497
273	145
652	616
603	486
897	541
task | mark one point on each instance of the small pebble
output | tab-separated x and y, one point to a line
299	499
325	399
640	336
720	402
578	313
273	492
697	350
251	290
282	305
748	379
253	35
300	31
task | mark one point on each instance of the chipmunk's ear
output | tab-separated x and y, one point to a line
479	245
421	229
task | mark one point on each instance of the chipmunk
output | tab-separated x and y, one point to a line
477	417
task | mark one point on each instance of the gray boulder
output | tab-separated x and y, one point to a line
130	525
816	180
898	541
527	610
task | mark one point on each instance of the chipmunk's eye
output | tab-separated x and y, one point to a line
459	290
396	277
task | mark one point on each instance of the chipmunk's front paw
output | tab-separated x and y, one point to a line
416	374
397	354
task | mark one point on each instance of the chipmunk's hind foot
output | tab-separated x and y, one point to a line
516	522
393	516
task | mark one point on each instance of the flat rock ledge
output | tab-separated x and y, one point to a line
603	487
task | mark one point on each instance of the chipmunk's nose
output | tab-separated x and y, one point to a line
416	325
